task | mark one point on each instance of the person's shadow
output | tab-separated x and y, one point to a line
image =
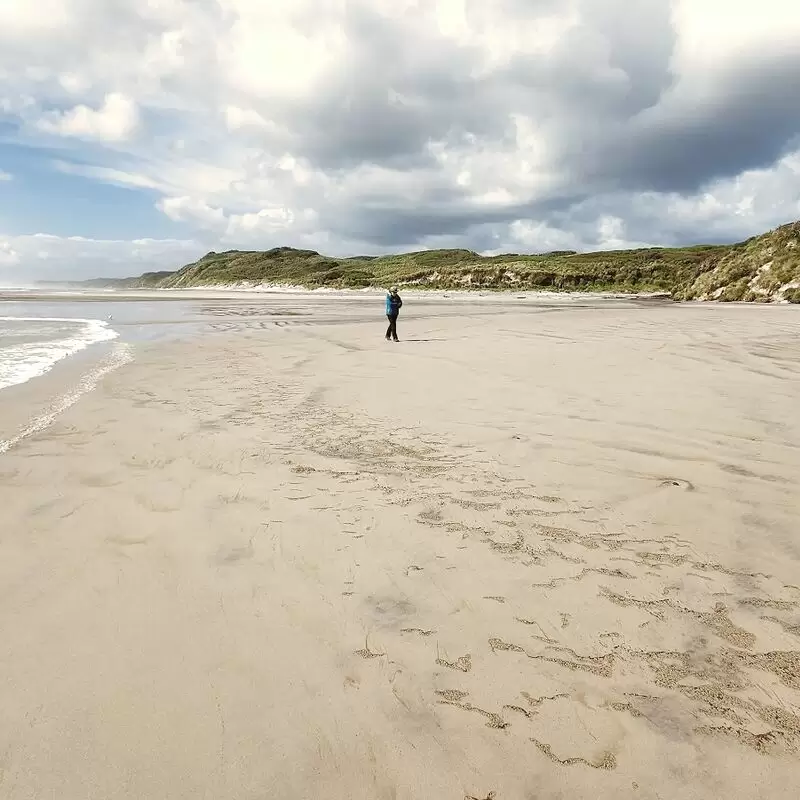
421	341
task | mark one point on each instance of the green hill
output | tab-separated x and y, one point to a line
762	269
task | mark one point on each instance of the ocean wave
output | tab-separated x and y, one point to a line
121	354
20	362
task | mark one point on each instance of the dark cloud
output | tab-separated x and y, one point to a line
400	88
640	41
404	85
391	226
681	146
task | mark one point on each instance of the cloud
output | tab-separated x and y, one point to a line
385	124
8	255
5	176
190	209
115	120
107	175
26	259
242	118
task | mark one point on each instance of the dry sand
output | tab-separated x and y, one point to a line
522	554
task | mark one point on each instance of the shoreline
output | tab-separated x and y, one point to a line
31	407
224	291
231	291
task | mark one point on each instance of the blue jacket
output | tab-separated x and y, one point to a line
393	305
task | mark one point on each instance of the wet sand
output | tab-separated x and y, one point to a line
527	552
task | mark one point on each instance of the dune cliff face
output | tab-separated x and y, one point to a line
765	268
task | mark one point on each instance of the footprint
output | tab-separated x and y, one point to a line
495	720
366	653
462	664
499	644
418	631
453	695
606	761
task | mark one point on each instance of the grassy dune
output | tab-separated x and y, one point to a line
762	269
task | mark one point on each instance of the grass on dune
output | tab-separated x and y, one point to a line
763	268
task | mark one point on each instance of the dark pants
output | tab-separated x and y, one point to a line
391	331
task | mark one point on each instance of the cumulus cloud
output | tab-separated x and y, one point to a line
8	255
191	209
115	120
385	124
27	259
5	176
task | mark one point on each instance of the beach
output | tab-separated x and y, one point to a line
541	550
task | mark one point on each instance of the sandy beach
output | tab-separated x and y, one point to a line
529	552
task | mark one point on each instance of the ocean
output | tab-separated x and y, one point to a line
31	346
39	330
96	332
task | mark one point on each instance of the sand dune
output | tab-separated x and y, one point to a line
524	553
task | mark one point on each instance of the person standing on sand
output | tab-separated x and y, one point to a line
393	305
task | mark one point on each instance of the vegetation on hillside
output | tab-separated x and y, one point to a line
764	268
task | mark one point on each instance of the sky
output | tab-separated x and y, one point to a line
140	134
